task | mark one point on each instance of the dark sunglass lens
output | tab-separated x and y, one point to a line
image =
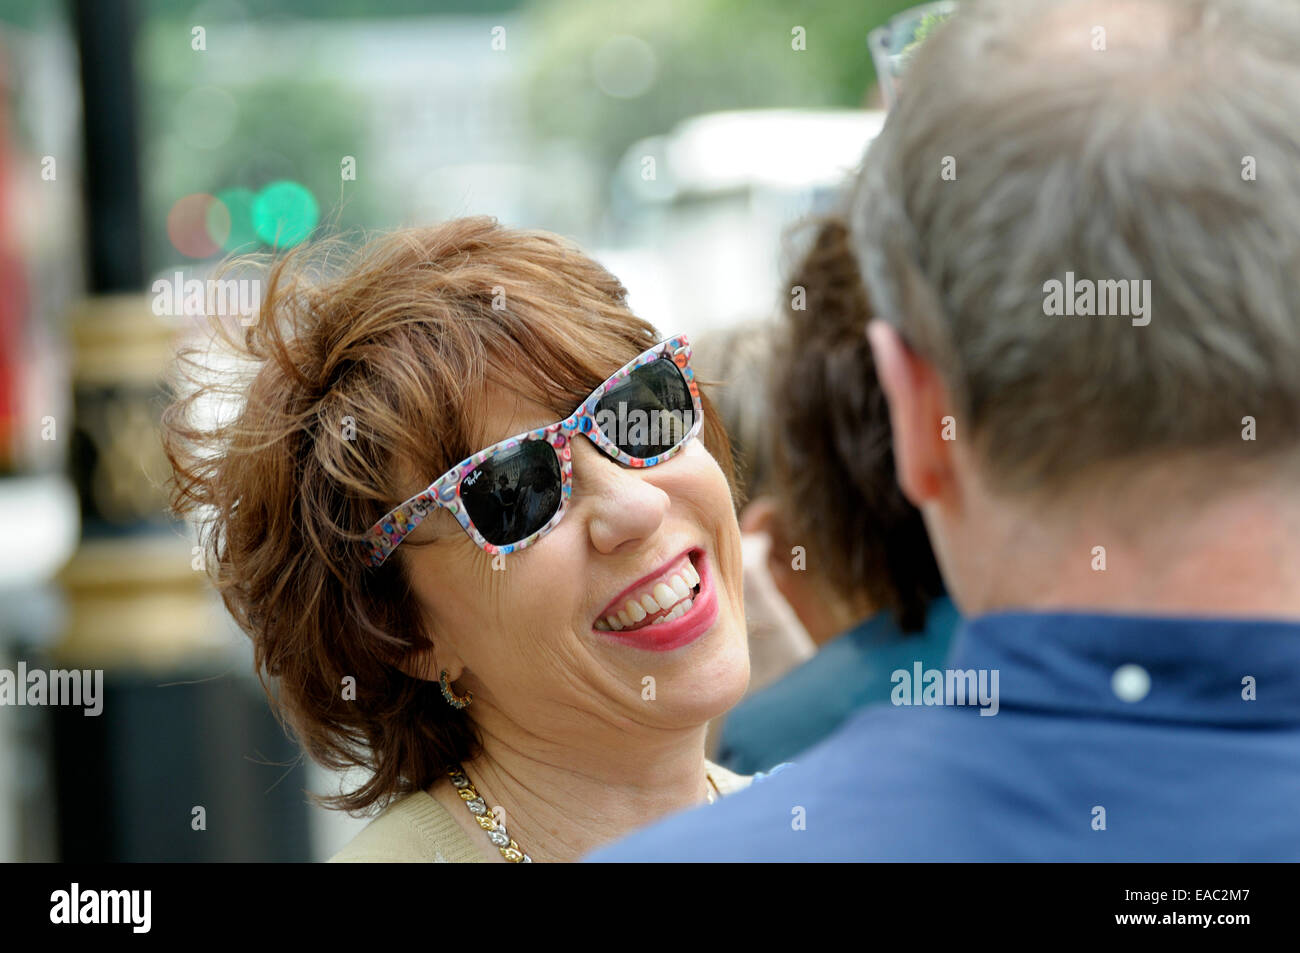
514	493
648	412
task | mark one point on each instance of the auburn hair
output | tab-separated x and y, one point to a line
364	364
833	455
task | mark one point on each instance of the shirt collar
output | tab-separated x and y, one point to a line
1196	669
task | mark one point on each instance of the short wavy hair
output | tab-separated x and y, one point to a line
833	453
1123	166
357	374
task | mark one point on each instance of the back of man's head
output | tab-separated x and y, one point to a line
1085	217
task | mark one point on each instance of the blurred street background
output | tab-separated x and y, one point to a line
676	140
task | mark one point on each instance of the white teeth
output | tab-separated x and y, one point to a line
673	594
678	611
692	577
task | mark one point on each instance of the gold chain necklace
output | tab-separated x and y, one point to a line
496	829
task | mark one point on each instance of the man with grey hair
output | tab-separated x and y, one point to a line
1081	229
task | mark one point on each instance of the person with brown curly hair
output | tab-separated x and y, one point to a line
459	505
848	552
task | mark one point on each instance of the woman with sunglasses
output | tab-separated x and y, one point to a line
479	524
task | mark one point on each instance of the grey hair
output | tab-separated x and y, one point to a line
1123	163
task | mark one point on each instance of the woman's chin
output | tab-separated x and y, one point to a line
693	668
711	680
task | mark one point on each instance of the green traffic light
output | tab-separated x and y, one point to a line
241	236
284	213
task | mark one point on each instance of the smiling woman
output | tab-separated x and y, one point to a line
446	557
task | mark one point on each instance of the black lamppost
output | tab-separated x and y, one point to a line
183	726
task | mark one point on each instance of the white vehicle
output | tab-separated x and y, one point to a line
707	208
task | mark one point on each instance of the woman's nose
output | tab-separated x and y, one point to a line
624	506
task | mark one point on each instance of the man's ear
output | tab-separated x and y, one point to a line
918	403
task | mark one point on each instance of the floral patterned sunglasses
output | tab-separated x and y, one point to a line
515	492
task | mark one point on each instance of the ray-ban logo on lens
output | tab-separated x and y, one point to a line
1085	298
644	428
946	687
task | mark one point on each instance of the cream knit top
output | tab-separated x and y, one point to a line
417	829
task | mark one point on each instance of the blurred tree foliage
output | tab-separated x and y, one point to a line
27	13
711	55
287	125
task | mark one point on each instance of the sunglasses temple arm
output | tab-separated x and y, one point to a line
415	510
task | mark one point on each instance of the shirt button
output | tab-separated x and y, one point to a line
1130	683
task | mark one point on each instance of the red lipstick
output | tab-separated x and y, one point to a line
686	628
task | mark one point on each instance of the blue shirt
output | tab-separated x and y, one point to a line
848	672
1116	738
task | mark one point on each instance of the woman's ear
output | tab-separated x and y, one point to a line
760	515
819	607
763	516
421	664
427	662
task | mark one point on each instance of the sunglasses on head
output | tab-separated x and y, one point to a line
513	493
